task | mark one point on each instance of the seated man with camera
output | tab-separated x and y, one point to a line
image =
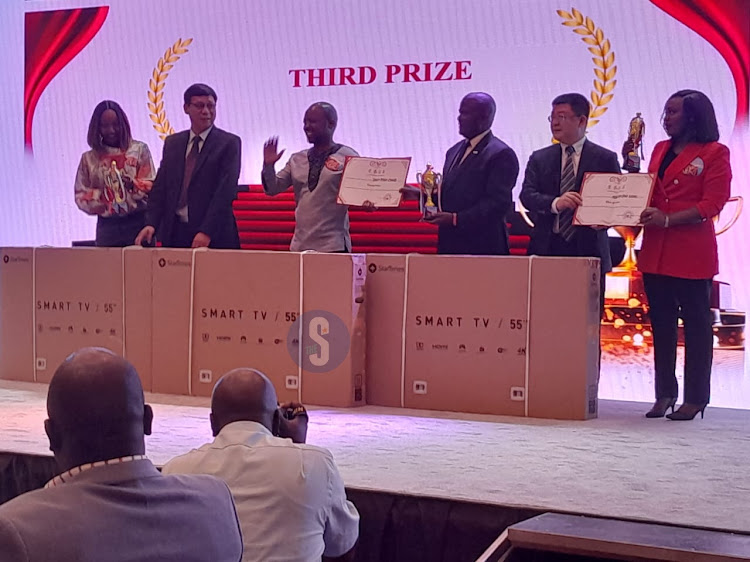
290	497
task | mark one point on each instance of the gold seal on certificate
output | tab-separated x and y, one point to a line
430	183
635	136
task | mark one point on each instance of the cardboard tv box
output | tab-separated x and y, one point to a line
466	334
138	307
564	338
171	283
384	295
244	308
333	341
79	303
17	314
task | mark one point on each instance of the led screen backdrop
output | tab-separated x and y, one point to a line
395	69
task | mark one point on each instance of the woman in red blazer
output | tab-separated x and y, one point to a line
678	256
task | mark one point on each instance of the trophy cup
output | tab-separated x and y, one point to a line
625	309
429	185
633	165
116	184
635	136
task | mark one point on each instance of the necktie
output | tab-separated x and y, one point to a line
567	183
460	156
190	161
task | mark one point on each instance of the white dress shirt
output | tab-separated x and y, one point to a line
290	498
473	144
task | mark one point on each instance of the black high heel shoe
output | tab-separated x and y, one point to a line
687	412
660	407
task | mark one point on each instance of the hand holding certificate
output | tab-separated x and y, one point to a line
613	199
374	180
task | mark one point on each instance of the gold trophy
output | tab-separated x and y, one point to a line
636	131
430	183
625	309
116	183
635	135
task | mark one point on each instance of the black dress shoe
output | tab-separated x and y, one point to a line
687	412
660	407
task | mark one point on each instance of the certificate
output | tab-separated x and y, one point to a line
377	180
613	199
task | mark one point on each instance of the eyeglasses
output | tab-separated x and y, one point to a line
200	106
561	118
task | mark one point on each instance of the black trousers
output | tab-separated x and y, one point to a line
670	298
118	232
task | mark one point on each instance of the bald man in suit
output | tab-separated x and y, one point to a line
478	179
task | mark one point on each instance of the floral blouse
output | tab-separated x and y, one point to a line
114	182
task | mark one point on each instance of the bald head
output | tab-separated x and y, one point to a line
320	123
475	114
96	408
243	395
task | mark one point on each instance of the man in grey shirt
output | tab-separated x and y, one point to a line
322	224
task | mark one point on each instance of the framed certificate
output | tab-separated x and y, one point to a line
377	180
613	199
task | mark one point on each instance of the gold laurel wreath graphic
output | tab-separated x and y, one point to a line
156	86
604	61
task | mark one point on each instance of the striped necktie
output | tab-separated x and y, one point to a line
567	183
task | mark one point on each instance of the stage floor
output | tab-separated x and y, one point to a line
620	465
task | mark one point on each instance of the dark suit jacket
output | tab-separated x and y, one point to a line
479	191
541	184
120	512
213	188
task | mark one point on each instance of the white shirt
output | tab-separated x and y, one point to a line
473	144
290	498
183	212
321	223
578	146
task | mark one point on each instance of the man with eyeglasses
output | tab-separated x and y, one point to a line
552	184
191	200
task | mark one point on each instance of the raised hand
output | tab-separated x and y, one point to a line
271	152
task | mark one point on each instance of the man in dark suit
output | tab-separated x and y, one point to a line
552	185
478	179
190	205
110	502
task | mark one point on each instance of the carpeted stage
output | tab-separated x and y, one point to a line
441	486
